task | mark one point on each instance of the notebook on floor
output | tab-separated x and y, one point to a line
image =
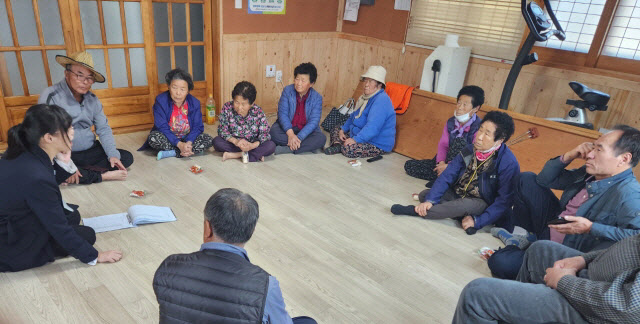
135	215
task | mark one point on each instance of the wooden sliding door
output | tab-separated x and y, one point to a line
133	44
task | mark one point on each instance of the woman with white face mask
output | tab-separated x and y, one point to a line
457	133
478	185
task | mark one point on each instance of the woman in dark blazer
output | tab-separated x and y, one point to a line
177	130
33	226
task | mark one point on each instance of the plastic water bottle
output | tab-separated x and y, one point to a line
211	110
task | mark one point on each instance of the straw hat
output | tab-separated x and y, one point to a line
83	59
375	72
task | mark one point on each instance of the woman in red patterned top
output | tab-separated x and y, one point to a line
243	126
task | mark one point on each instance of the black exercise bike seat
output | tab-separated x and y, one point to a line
589	95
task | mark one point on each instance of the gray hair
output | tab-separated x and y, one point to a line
233	215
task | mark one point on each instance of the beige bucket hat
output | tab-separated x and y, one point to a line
83	59
375	72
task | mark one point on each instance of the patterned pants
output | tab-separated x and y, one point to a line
423	169
160	142
358	150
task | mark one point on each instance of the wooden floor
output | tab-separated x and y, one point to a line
325	231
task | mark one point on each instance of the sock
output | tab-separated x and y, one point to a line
282	150
166	154
501	233
398	209
331	150
521	241
517	230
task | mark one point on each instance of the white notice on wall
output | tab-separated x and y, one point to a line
402	5
351	8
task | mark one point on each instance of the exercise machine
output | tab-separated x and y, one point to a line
540	30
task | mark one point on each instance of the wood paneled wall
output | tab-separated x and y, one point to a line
341	58
245	57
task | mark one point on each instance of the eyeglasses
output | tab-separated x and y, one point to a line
83	78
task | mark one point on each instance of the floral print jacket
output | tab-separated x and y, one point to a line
254	127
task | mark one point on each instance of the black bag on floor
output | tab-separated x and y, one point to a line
336	118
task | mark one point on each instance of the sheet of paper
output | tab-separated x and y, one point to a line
351	8
108	223
402	5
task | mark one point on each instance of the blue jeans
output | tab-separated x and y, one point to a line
533	207
528	300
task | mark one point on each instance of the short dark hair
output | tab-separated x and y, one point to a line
306	68
629	141
476	93
504	124
245	89
232	214
179	74
39	120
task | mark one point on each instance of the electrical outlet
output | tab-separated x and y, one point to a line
271	71
278	76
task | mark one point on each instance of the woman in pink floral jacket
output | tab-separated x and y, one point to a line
243	126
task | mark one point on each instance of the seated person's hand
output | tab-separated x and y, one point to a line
440	167
115	162
244	145
109	256
293	142
577	263
423	208
188	149
74	179
555	274
349	141
579	152
342	135
467	222
577	225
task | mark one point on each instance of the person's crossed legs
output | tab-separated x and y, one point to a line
450	206
529	300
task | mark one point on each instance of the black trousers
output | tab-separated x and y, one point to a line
94	161
86	232
533	207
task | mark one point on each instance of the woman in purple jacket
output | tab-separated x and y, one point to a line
177	130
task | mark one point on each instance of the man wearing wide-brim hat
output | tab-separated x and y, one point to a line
96	160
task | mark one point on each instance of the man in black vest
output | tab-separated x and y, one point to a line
218	284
